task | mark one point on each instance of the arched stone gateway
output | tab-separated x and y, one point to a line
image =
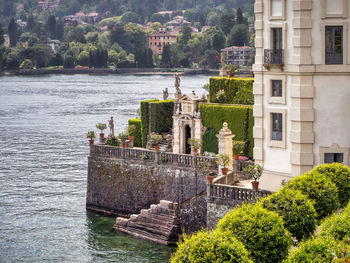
186	122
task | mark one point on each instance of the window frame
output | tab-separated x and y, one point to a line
342	15
277	100
332	41
277	143
334	148
283	16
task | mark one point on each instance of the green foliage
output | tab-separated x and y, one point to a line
315	251
144	120
213	116
318	188
101	126
204	247
195	143
68	62
236	90
340	175
91	135
239	36
26	64
297	211
162	116
210	142
253	171
113	141
137	132
238	147
223	159
123	136
262	232
337	226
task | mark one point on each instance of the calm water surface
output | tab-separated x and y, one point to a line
43	165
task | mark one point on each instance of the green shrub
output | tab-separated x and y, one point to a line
236	90
315	251
204	247
113	141
239	119
297	211
337	226
319	189
144	120
162	116
137	132
261	231
340	175
210	141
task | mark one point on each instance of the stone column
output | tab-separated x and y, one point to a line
176	135
225	137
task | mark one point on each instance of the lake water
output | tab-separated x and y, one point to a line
43	165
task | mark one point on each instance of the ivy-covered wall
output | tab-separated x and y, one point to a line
162	116
144	120
137	133
233	90
239	119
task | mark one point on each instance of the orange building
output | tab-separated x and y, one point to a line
158	40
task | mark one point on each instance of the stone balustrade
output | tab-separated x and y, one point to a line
184	160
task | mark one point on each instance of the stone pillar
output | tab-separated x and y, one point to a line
176	135
225	137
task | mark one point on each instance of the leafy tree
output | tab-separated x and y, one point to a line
31	38
59	29
185	36
130	17
240	18
227	22
57	60
157	18
83	58
2	40
30	23
218	40
213	19
68	62
75	34
51	26
239	36
26	64
113	57
211	58
12	60
166	57
13	33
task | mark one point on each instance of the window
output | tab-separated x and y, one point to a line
276	90
334	44
277	130
334	157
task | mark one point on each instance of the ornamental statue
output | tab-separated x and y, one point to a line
177	83
111	127
165	94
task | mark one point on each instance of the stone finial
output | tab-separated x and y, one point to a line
225	144
225	130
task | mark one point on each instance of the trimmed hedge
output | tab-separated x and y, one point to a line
239	119
297	212
162	116
137	133
340	175
144	120
262	232
316	251
237	90
337	226
210	141
204	247
320	189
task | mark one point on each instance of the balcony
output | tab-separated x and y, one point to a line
273	57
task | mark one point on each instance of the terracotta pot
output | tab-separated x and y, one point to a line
236	157
255	185
195	152
102	135
210	179
224	171
91	141
231	74
156	148
124	144
131	138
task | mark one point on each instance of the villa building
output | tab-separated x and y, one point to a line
158	40
238	55
302	82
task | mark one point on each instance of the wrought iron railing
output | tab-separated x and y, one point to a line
273	57
184	160
236	194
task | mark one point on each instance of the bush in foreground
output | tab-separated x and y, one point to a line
319	189
262	232
297	211
204	247
340	175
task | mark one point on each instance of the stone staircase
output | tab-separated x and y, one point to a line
158	224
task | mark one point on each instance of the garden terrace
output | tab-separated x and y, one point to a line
184	160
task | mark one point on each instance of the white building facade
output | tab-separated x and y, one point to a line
302	85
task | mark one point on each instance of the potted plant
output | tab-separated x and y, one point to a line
130	131
205	166
195	143
238	147
91	135
101	127
253	171
223	159
232	69
123	137
156	139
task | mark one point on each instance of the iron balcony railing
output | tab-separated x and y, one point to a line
273	57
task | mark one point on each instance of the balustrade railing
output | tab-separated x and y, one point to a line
238	167
239	195
273	57
184	160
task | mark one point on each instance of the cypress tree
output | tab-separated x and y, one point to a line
51	26
240	18
30	23
166	57
2	39
12	31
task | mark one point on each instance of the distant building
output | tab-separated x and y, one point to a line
54	44
21	23
179	22
158	40
49	5
238	55
7	40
